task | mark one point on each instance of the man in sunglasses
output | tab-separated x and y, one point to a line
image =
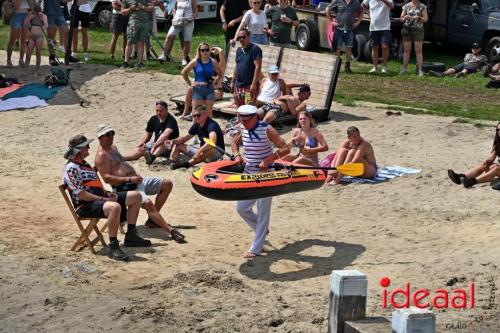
115	170
472	63
91	200
247	71
205	128
283	19
257	139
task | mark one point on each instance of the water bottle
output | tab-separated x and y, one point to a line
248	98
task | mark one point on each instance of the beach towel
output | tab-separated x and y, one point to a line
6	90
27	102
383	174
33	89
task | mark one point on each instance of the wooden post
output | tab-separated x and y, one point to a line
348	290
413	320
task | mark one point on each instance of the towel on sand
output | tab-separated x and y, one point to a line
27	102
383	174
33	89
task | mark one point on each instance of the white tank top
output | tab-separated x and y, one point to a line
270	91
257	146
184	10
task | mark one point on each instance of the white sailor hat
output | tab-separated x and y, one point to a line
247	110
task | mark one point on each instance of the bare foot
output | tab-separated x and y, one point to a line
250	255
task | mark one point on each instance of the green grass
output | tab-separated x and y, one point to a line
464	98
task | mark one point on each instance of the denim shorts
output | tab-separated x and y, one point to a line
380	37
259	39
340	37
17	20
56	21
204	93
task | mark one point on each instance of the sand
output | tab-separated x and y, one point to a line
419	228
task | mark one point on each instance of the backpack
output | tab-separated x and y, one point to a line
59	77
7	11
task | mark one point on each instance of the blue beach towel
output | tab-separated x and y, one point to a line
383	174
33	89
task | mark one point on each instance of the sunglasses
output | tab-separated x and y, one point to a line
196	115
109	134
204	50
241	37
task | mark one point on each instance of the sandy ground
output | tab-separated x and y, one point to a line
419	228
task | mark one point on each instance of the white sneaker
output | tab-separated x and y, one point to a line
373	70
403	71
62	49
86	57
384	70
420	72
74	54
162	58
184	62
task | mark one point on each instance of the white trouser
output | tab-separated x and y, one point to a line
258	222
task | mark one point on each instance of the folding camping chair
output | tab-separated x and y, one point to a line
84	239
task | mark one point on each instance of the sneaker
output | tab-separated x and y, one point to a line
421	73
165	57
460	74
373	70
132	239
178	165
53	61
73	59
469	182
177	236
384	70
455	177
116	253
140	65
125	65
403	71
150	158
86	57
150	224
184	62
436	73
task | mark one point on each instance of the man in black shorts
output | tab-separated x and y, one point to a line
164	127
91	200
82	16
119	24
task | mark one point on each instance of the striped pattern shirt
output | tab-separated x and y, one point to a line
257	146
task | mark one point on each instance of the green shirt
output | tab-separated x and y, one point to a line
281	30
139	16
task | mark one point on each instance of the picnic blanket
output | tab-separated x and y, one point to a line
383	174
33	89
6	90
27	102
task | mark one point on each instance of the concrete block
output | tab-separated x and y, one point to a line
368	325
413	320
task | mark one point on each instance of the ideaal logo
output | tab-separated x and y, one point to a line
459	298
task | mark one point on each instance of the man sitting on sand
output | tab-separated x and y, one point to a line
286	104
354	149
204	127
91	200
165	128
115	171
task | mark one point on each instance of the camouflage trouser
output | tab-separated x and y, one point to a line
137	32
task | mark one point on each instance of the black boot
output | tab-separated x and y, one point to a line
455	177
132	239
178	165
469	182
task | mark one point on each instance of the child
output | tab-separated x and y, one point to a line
36	20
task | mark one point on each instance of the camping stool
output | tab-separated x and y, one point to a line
84	239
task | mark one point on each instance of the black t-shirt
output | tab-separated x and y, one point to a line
234	9
245	66
154	125
203	132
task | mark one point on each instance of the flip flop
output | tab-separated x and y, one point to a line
250	255
454	177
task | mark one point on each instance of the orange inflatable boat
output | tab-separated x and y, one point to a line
225	180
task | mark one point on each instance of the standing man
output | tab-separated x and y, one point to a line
205	128
380	29
283	18
231	13
91	200
257	139
137	29
115	171
247	71
347	17
56	21
82	17
164	127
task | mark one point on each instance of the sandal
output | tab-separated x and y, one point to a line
177	236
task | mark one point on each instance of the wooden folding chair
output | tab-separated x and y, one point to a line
84	239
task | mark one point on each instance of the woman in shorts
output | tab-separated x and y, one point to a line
205	68
413	16
17	29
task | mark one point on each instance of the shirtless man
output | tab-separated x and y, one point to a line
115	171
353	150
288	104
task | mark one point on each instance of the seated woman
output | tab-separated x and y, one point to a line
354	149
217	54
309	139
484	172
